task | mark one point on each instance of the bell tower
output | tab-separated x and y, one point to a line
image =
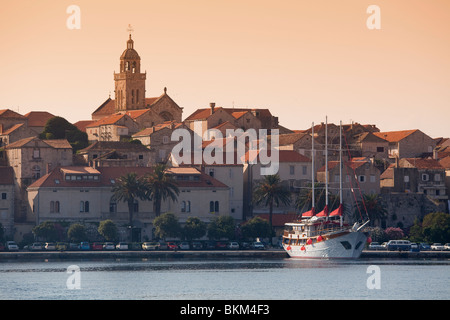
129	82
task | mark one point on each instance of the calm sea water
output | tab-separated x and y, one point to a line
234	279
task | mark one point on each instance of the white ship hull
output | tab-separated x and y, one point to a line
349	245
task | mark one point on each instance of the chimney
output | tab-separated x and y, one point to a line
212	105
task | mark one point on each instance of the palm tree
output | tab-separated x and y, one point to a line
373	204
270	191
304	198
129	188
161	186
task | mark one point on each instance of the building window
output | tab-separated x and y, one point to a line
304	170
380	149
211	172
165	139
84	206
112	206
437	177
36	154
188	206
211	206
291	170
36	172
425	177
136	206
406	179
216	206
54	206
372	178
362	178
183	206
4	196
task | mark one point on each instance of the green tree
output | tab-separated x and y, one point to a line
108	230
270	191
222	227
256	227
46	231
304	198
436	227
167	225
194	228
161	186
374	206
60	128
77	232
129	188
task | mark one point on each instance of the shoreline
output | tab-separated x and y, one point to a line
201	254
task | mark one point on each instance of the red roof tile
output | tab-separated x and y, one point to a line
420	163
38	118
394	136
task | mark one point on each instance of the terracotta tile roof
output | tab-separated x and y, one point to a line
354	164
445	162
82	124
109	106
283	156
38	118
133	114
56	143
108	175
108	120
420	163
394	136
9	114
107	146
6	176
12	129
290	138
238	114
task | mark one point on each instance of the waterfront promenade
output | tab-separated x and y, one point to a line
201	254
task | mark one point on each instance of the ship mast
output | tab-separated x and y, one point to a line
340	170
312	166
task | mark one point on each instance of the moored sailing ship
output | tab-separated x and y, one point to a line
324	235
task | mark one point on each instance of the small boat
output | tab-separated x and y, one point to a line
323	235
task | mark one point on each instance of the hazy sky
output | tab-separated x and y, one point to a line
303	60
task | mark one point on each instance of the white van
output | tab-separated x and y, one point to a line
398	245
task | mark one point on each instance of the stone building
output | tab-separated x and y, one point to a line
7	200
408	143
130	92
83	194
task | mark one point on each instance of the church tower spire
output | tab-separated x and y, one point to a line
129	82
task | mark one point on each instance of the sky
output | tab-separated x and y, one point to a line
303	60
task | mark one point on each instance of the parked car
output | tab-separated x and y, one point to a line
415	247
197	245
97	246
184	245
150	246
49	246
424	246
233	245
12	246
36	246
122	246
399	245
221	245
85	246
172	246
109	246
437	247
375	246
210	245
61	246
73	246
447	246
163	245
246	245
258	245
